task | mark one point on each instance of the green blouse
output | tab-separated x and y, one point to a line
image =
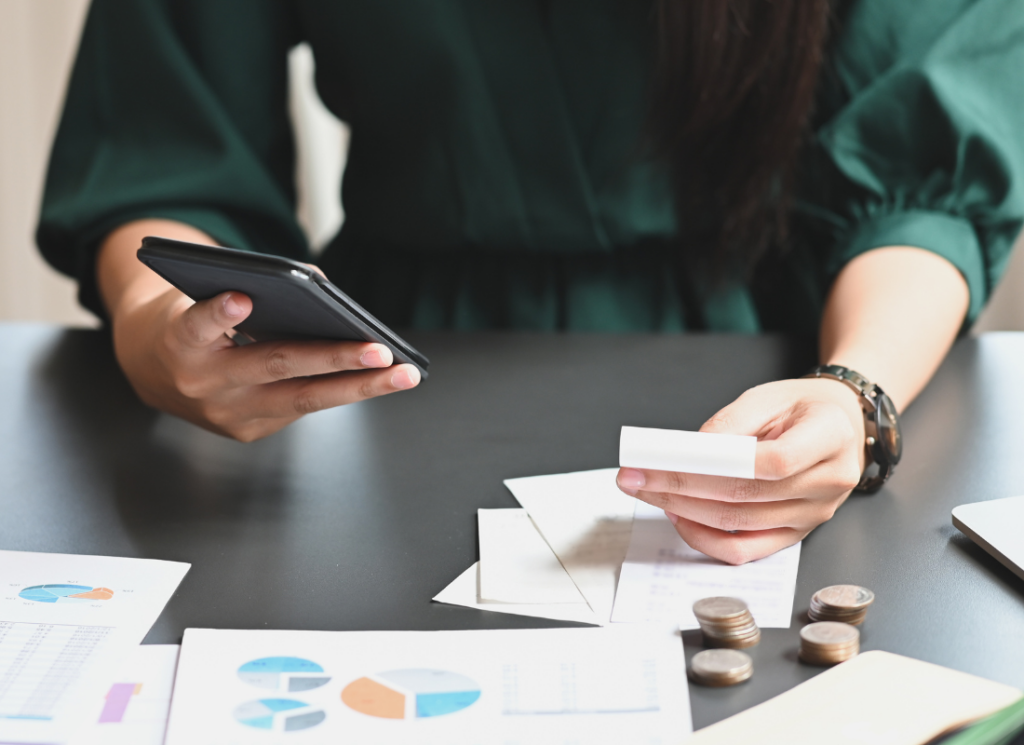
495	177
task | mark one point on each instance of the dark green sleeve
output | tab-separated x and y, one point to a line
926	147
175	109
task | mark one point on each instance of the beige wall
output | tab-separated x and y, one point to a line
1005	312
37	43
37	46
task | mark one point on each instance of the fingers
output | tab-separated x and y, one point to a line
659	487
736	548
757	516
291	398
269	362
791	438
207	321
816	433
807	461
257	411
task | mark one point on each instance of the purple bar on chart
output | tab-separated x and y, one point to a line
117	701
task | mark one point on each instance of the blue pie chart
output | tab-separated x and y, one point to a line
411	694
278	714
65	593
284	674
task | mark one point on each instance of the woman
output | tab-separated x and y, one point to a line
610	165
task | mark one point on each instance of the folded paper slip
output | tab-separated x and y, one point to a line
464	591
517	573
875	697
517	566
586	520
705	453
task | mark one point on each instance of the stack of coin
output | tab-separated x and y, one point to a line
720	667
845	603
828	643
726	622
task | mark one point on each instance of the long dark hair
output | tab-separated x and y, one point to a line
731	100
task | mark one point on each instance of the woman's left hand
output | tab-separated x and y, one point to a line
810	456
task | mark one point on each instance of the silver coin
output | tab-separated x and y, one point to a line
719	608
829	633
716	663
847	597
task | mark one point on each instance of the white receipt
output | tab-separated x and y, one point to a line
464	591
662	577
688	452
516	565
586	521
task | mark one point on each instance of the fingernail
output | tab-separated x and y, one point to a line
404	379
671	518
231	307
373	358
630	478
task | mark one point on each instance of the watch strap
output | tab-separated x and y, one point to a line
868	394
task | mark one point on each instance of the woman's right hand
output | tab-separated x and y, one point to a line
178	358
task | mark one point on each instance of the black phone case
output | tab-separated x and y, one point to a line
289	300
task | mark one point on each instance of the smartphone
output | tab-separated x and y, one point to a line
289	300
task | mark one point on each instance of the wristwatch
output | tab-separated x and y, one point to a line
881	424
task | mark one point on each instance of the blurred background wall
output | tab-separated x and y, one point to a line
37	45
38	40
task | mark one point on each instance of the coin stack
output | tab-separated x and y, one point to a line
720	667
845	603
828	643
726	622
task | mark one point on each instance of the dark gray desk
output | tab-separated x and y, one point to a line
355	518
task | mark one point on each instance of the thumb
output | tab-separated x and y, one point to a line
208	320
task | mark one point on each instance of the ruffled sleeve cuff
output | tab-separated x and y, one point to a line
211	222
953	238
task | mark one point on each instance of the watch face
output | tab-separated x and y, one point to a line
888	426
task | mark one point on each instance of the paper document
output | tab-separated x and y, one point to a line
876	697
135	708
662	577
516	565
66	625
688	452
596	685
586	521
464	591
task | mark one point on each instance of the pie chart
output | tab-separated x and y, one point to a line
286	674
65	593
278	714
410	694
